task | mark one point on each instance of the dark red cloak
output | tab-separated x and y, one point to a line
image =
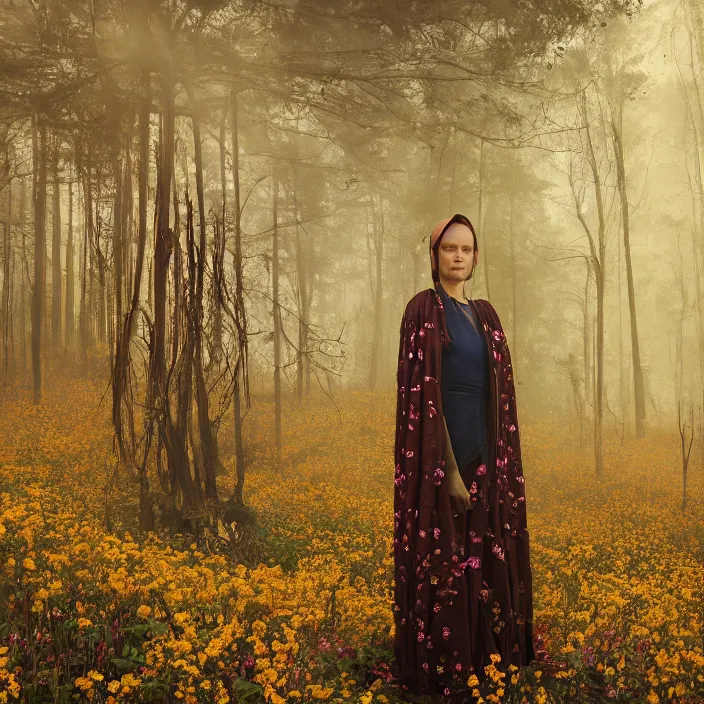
458	598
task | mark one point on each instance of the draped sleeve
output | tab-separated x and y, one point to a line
425	548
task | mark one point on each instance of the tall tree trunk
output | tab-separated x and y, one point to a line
241	383
596	265
162	249
117	252
39	288
172	432
208	442
101	310
5	316
70	275
378	232
301	267
56	248
90	309
84	317
146	510
587	340
276	314
219	248
638	385
24	274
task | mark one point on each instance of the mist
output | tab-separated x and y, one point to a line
214	215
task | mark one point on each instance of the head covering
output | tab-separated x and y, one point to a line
436	236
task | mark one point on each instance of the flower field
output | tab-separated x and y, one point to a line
91	614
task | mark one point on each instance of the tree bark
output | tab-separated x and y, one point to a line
638	385
241	384
39	288
70	275
56	248
208	442
302	264
378	233
162	249
24	275
276	314
5	316
84	319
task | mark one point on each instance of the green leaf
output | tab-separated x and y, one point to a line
124	664
246	691
139	629
158	628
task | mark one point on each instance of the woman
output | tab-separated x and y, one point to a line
463	587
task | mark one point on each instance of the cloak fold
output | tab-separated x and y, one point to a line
460	594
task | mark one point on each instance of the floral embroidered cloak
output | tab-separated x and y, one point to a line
457	598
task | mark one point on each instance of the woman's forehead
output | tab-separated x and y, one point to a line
457	233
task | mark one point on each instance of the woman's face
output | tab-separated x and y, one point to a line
456	255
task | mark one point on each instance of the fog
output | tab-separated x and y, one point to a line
214	214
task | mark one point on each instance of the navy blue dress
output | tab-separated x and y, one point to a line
464	382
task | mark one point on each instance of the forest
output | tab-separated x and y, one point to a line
213	214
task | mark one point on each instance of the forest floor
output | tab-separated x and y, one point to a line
88	614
